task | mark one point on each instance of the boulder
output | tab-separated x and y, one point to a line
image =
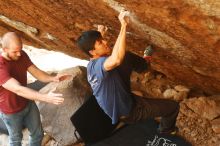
56	118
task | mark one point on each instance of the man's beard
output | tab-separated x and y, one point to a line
12	58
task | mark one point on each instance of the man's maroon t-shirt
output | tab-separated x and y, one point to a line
9	101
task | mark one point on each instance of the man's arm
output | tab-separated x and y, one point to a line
118	53
14	86
45	77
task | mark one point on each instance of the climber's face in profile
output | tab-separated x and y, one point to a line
101	48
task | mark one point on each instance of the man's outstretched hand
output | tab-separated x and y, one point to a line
59	78
54	98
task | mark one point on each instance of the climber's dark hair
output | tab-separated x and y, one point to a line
87	40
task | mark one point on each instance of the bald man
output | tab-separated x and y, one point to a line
17	106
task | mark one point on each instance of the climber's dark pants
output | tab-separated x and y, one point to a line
149	108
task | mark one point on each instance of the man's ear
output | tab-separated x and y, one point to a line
4	49
92	52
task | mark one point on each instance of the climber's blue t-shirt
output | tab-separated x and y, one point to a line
109	90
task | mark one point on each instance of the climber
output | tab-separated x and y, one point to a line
108	73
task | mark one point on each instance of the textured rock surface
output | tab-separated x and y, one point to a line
56	119
216	125
185	33
196	129
205	107
198	119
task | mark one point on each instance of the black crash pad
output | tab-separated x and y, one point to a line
142	134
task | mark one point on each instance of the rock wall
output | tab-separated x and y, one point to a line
185	33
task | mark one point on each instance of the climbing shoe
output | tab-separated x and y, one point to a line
171	131
148	53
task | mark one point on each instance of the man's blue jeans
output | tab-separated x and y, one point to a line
30	118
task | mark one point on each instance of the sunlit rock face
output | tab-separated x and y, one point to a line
185	33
